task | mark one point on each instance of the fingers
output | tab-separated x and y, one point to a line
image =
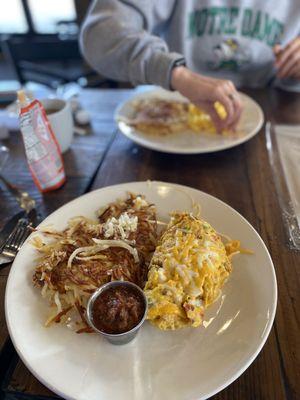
223	91
210	109
288	58
277	50
227	102
287	51
239	108
229	97
290	66
294	71
205	92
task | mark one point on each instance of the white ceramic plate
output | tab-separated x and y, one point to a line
189	142
187	364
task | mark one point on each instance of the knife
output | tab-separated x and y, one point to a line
8	228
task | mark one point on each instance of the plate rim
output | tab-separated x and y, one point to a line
221	387
155	146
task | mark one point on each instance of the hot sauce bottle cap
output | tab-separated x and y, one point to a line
22	98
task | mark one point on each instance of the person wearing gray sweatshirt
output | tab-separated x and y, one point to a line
202	48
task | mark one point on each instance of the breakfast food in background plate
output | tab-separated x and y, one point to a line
162	117
158	116
182	273
166	121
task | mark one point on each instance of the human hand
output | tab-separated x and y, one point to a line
204	92
288	59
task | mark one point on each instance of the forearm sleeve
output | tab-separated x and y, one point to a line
115	42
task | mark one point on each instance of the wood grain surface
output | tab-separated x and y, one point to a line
241	177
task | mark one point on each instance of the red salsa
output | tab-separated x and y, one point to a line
118	309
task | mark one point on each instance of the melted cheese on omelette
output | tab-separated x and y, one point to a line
187	272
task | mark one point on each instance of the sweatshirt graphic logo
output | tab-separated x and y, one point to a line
234	21
229	54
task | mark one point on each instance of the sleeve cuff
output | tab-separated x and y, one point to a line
159	68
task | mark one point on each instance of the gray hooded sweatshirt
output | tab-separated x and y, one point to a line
140	40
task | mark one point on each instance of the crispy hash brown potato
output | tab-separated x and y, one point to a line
89	253
188	269
162	117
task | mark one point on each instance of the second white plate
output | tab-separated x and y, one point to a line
189	142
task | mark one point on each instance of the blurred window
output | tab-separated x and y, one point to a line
49	16
12	18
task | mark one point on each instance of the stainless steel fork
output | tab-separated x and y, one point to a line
15	240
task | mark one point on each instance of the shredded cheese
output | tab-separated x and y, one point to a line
123	225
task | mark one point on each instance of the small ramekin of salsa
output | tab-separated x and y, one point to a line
117	310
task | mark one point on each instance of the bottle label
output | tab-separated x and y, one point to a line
41	147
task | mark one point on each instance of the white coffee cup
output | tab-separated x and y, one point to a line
60	117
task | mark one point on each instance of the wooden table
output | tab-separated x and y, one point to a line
240	176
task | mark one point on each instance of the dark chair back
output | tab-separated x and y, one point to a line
30	55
